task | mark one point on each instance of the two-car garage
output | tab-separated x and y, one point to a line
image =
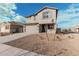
32	28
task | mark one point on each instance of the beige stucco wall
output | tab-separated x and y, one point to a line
40	19
3	28
32	19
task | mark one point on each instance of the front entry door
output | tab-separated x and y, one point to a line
43	28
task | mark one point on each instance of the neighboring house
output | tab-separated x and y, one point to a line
11	27
66	30
69	30
76	28
42	21
72	30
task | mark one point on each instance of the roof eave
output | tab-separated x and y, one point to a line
41	10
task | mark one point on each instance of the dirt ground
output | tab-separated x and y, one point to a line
47	44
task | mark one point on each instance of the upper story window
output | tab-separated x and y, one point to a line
46	14
7	27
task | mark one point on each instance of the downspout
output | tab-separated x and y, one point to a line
56	24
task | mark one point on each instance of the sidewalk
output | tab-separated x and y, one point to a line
6	50
8	38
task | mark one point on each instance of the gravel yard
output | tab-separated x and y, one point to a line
63	44
38	43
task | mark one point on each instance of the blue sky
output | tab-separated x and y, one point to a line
30	8
68	13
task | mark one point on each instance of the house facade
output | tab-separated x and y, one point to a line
76	28
10	27
43	21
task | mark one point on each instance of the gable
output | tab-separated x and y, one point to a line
45	8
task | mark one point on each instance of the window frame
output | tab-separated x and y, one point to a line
7	27
46	15
50	26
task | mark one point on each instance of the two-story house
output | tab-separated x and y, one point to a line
42	21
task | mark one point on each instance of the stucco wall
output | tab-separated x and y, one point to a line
3	28
40	19
31	19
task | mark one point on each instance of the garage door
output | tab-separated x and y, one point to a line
32	29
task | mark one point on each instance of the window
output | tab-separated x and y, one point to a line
51	26
46	14
7	27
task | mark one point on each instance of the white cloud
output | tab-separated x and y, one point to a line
6	9
20	18
69	17
7	13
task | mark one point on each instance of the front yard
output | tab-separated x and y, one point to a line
63	44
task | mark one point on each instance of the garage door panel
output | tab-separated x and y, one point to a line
32	29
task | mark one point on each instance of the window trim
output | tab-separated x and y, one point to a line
46	15
7	27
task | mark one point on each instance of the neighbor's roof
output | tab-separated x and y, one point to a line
41	10
12	22
76	26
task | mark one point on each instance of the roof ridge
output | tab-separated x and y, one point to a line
45	7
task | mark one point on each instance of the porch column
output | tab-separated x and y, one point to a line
46	28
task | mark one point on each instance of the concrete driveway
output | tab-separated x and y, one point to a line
6	50
8	38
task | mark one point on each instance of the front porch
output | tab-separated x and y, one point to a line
46	27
